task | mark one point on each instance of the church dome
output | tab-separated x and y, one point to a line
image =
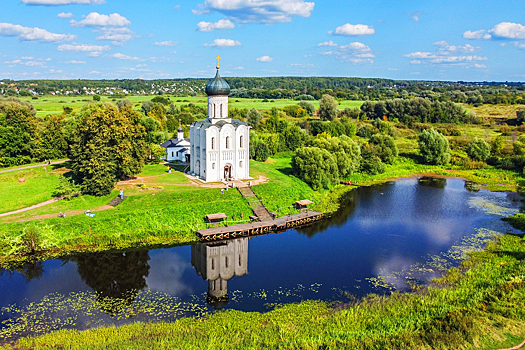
217	86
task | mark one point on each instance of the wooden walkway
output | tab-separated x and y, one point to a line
260	227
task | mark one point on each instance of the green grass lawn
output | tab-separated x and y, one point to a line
54	104
37	187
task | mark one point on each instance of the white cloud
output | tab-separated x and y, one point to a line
76	62
448	55
116	35
32	34
353	30
520	46
165	43
327	43
38	64
63	2
224	43
257	11
416	18
95	19
238	68
445	48
94	50
508	30
264	59
210	26
481	66
355	52
477	34
94	72
65	15
121	56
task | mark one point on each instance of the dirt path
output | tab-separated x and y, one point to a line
49	216
32	166
31	207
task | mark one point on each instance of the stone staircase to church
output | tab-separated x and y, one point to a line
255	203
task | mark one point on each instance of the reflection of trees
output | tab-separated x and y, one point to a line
29	269
437	182
472	186
116	277
348	203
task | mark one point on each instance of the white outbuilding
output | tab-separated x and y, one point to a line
178	149
219	145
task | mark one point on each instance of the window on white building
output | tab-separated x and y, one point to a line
172	154
240	164
227	142
213	165
241	142
213	143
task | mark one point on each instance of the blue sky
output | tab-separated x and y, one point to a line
109	39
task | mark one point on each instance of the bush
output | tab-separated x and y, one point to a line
370	162
261	152
366	131
385	147
478	149
315	166
308	107
96	98
434	147
328	108
31	239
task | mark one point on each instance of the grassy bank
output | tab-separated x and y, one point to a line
479	305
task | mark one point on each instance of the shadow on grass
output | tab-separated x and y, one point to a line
286	171
415	157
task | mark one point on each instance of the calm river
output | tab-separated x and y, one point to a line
386	237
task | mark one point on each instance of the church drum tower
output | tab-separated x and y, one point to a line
219	145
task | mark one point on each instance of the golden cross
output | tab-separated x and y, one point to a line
179	123
218	58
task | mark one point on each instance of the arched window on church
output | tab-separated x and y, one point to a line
220	107
213	143
240	164
214	110
241	142
227	142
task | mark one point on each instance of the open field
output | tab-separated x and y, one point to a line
54	104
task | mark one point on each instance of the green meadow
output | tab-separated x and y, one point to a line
45	105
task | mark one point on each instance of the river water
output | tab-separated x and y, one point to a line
386	237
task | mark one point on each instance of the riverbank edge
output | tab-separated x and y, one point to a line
329	207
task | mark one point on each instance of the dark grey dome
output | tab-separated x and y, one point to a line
217	86
180	129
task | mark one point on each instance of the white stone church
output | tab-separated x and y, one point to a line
219	145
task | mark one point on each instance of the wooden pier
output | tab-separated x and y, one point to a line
259	227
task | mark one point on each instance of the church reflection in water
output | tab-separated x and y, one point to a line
217	263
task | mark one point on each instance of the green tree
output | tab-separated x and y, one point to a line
293	137
496	145
107	145
157	112
370	162
261	152
520	116
254	118
519	146
123	102
385	146
53	140
478	149
18	132
96	98
315	166
345	150
328	108
308	107
434	147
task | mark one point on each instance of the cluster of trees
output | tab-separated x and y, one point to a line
302	88
24	139
417	110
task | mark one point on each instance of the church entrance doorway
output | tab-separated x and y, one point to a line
227	172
